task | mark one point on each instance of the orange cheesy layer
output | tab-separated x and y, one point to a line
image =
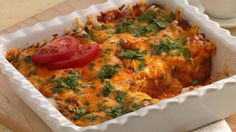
147	54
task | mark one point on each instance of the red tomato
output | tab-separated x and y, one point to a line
60	48
84	55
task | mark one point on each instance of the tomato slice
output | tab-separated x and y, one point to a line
84	55
60	48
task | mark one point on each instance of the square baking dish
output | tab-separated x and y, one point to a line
185	112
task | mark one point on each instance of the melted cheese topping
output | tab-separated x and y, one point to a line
147	53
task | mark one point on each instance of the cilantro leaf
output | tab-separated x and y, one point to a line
136	107
92	117
80	111
120	96
27	59
108	71
91	66
107	51
106	90
118	111
178	45
132	54
71	82
142	65
195	82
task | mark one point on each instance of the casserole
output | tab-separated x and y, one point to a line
189	99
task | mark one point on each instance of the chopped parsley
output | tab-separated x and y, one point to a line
75	74
185	52
61	84
153	22
134	29
142	65
160	24
69	82
56	90
92	117
118	111
80	111
172	47
147	16
106	90
195	82
91	35
120	96
133	54
75	118
107	51
108	71
169	18
91	66
181	42
160	48
27	59
31	73
136	107
106	60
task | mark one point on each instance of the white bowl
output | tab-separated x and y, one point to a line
181	113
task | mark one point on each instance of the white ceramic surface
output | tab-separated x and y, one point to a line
219	126
220	8
225	23
197	4
184	112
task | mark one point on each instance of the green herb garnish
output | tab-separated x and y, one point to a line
69	82
80	111
134	27
56	90
91	35
147	17
160	48
120	96
31	73
136	107
106	90
75	118
27	59
108	71
185	52
107	51
176	47
133	54
142	65
195	82
92	118
91	66
74	74
106	60
118	111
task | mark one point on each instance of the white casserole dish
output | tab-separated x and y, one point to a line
182	113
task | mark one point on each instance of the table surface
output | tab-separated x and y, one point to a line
14	113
